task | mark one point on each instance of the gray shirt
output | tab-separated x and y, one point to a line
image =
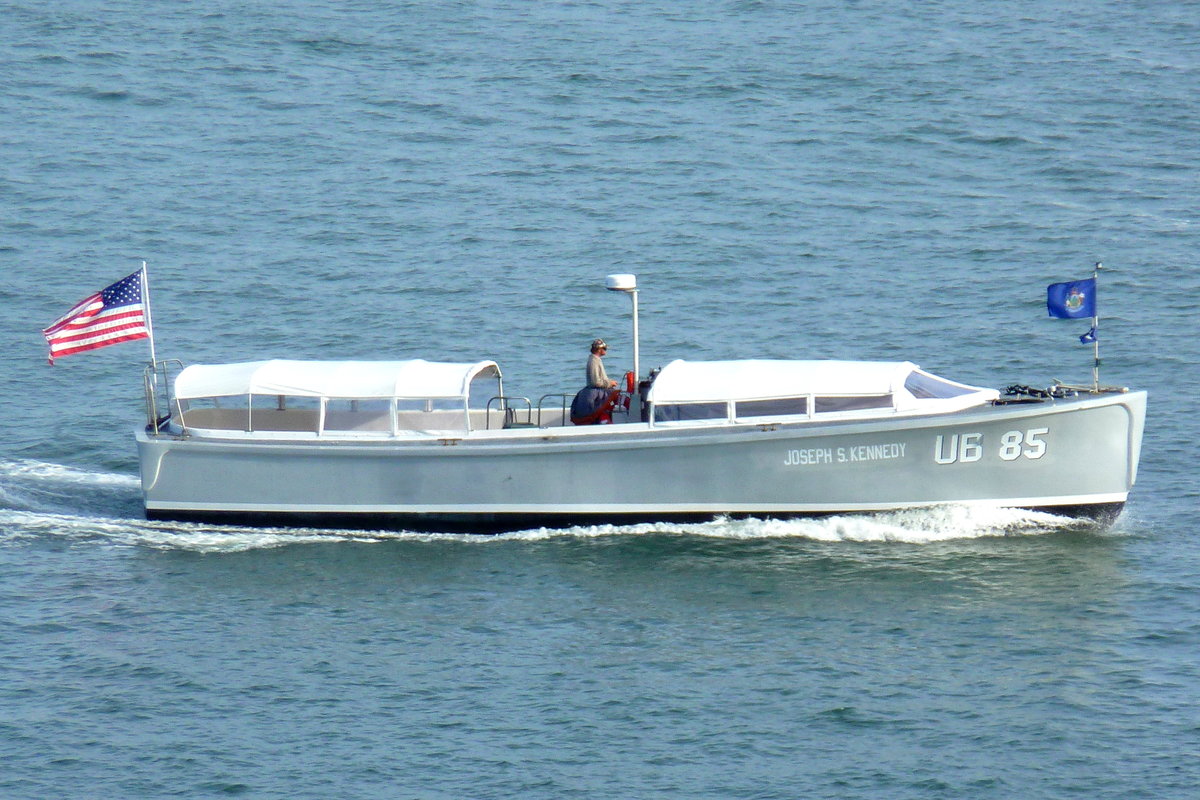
596	376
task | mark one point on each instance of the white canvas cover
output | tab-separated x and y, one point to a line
416	379
767	379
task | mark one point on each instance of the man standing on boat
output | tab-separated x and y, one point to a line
597	378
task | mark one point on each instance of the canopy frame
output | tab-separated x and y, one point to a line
323	381
683	383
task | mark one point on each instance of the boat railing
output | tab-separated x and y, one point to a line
157	380
510	414
552	411
563	414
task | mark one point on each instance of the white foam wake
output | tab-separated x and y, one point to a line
16	525
916	526
38	486
58	473
941	524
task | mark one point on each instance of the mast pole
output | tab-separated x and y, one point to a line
637	375
628	285
1096	328
149	319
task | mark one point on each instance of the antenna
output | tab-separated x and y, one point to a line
628	285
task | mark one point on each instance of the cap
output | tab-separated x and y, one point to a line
598	343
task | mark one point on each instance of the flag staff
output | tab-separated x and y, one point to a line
149	320
1095	333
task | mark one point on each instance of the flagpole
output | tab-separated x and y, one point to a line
1096	329
149	320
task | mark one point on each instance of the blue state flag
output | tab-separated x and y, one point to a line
1072	300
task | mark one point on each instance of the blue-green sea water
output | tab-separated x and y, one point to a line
452	181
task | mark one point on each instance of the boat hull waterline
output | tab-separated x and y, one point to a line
1076	456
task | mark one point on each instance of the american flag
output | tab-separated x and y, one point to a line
114	314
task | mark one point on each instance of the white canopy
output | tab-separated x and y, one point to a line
763	379
415	380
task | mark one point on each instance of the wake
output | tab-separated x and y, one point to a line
42	499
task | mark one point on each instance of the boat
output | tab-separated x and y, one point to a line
421	445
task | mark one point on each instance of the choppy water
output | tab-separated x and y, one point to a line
453	180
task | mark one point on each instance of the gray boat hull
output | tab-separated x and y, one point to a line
1076	456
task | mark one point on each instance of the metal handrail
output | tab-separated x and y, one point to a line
156	383
509	413
542	401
